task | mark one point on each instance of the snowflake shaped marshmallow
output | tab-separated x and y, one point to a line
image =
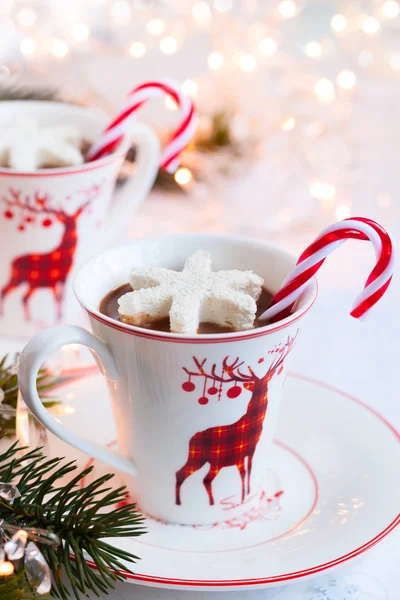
192	296
27	147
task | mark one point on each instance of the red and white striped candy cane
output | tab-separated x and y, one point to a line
119	127
314	255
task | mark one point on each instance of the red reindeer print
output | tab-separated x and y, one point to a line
50	269
234	444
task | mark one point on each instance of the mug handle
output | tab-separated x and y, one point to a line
32	358
140	181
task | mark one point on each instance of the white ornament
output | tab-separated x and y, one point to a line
15	547
192	296
27	147
9	493
37	569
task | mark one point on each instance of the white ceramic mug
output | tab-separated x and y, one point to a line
193	439
52	220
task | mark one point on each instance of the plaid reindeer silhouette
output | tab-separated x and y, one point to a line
230	445
50	269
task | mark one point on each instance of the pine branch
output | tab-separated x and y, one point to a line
220	134
80	517
19	91
9	386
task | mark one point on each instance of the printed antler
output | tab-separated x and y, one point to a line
40	202
274	366
40	205
229	369
199	365
91	195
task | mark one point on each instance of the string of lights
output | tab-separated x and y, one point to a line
133	28
254	40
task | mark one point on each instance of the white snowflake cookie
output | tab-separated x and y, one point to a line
192	296
28	147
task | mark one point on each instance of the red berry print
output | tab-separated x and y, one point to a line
234	391
8	214
203	400
213	390
47	222
30	219
21	227
188	386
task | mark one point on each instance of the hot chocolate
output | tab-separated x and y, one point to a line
109	307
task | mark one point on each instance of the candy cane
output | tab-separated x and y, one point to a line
119	127
315	254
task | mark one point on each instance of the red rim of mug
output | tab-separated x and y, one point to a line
105	161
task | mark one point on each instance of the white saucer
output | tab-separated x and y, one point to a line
332	493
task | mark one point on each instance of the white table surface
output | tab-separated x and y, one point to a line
361	358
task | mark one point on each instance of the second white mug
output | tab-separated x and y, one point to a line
51	220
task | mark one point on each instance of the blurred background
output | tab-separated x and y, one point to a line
298	100
298	127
